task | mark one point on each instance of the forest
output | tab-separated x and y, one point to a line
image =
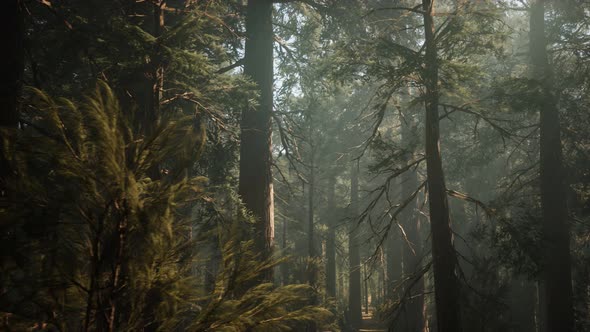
295	165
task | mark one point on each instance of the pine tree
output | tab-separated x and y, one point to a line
354	259
444	259
557	281
12	79
256	188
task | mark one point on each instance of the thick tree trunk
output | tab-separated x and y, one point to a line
11	76
541	308
255	188
150	92
145	85
412	249
354	259
444	259
13	66
557	262
331	240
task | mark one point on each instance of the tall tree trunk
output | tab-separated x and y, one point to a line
331	240
149	102
11	75
541	308
255	188
444	260
147	86
354	259
151	117
412	249
312	267
382	275
311	250
158	83
557	262
366	284
13	66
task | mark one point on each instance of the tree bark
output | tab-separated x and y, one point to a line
11	76
255	181
444	259
13	67
557	280
354	280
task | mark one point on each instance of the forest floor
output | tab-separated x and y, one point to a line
370	323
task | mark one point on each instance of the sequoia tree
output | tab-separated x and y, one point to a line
446	285
12	70
12	74
255	188
556	267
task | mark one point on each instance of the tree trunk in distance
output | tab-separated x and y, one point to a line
331	240
312	268
366	282
311	250
354	259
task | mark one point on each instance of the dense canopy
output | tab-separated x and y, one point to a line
295	165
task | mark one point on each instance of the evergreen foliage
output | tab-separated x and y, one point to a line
102	246
123	206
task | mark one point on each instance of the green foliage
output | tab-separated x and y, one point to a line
91	241
262	307
105	238
109	223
